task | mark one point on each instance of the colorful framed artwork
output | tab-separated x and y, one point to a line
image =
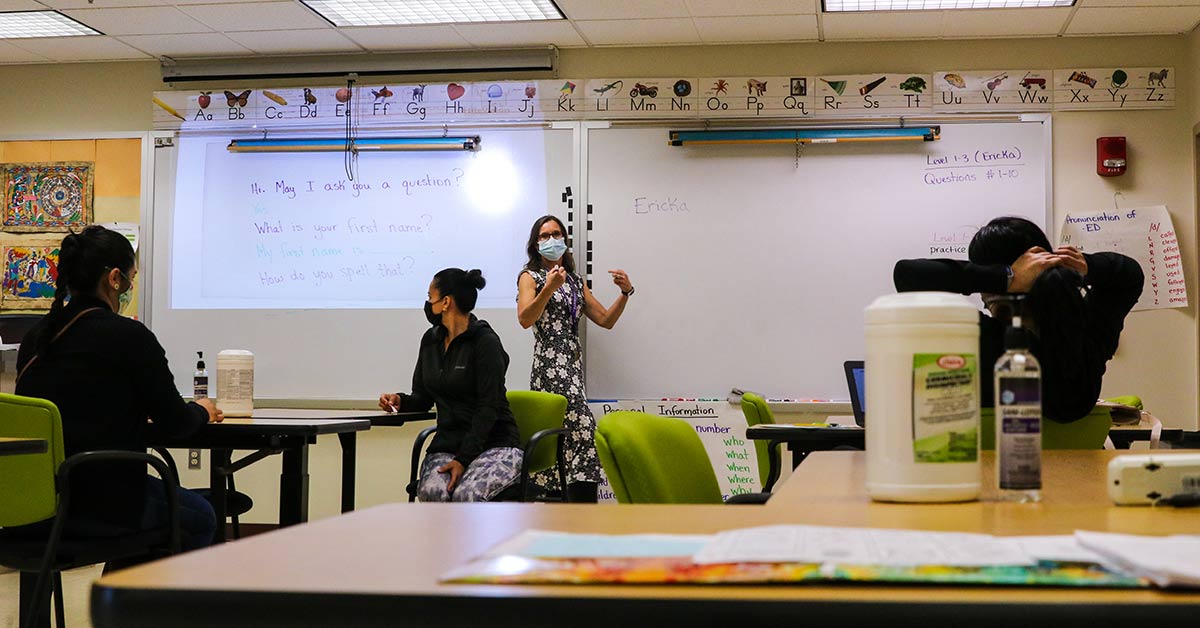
47	197
30	275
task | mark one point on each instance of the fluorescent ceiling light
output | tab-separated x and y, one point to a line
23	24
393	12
832	6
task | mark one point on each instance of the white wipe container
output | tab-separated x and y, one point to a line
235	382
922	380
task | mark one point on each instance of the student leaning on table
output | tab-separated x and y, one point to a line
475	453
1075	306
107	374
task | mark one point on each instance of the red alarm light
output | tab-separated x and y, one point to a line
1110	156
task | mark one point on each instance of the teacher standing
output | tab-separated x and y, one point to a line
551	297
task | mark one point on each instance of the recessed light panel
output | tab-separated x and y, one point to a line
401	12
833	6
23	24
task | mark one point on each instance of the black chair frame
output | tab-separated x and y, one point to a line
101	549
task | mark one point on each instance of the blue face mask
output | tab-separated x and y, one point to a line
552	249
125	298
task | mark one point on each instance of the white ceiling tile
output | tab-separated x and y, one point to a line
406	37
1134	20
559	33
138	21
96	48
117	4
758	28
187	45
722	8
1138	3
255	16
883	26
284	42
639	32
1003	22
12	54
20	5
623	9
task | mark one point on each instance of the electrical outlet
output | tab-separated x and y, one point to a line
194	459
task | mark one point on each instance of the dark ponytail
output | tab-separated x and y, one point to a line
1057	307
83	258
463	285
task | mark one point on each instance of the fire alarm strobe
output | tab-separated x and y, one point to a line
1110	156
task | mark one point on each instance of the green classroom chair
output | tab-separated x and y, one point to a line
34	498
658	460
757	412
1086	433
539	415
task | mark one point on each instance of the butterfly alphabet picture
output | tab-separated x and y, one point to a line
237	100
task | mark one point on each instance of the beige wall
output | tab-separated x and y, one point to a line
1159	350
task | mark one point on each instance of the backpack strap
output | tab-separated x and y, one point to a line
56	337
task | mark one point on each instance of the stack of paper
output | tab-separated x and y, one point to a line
1166	561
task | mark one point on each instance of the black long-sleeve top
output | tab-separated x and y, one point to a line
1069	391
107	374
466	381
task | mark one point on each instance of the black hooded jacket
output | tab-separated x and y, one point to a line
1069	391
466	381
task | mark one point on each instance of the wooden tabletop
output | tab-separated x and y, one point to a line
830	489
373	566
376	417
18	446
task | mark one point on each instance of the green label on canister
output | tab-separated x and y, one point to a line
945	407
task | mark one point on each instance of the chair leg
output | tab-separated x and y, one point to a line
60	615
237	526
35	613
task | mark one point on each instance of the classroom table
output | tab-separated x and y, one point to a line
266	437
21	446
348	440
801	440
380	566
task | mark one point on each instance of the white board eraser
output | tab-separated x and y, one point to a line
1144	479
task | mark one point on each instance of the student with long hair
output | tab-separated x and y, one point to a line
552	298
476	453
108	374
1075	305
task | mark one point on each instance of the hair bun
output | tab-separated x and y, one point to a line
475	278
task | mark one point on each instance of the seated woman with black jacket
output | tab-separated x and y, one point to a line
108	374
1075	304
460	367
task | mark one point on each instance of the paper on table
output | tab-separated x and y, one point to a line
544	544
1165	560
860	546
1062	549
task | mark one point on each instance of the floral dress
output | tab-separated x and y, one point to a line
558	368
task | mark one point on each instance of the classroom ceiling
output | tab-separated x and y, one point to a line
147	29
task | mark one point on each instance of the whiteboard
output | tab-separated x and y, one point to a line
340	334
753	269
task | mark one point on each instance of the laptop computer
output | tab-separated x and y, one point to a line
855	373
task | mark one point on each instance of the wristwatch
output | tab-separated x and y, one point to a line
631	289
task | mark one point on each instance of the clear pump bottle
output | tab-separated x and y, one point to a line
200	378
1018	417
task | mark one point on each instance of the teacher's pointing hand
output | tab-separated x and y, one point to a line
621	279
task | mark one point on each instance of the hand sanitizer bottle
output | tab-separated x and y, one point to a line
200	379
1018	418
